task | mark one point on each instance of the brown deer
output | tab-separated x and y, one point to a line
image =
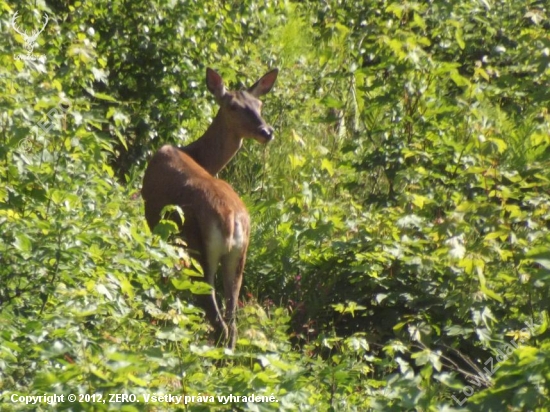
216	223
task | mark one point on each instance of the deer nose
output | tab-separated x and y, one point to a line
266	132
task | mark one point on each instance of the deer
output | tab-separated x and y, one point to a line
216	224
30	39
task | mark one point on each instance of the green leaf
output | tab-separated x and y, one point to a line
104	96
491	294
419	21
181	284
22	242
165	228
327	165
136	380
396	9
459	80
540	255
459	38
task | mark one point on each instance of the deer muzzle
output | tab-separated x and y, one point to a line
266	132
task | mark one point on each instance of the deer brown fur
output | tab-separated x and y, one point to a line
216	224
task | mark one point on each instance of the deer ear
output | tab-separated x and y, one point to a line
214	82
265	84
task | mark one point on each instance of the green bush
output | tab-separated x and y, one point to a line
399	258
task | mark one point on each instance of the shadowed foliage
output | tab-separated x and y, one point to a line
399	252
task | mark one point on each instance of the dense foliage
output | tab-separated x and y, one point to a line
400	254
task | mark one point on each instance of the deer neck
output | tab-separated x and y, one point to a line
216	147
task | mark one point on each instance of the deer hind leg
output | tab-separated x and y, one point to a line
208	301
210	256
209	259
232	272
